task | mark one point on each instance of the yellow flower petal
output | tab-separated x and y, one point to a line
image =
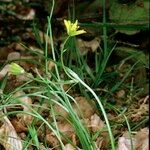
67	25
80	32
72	28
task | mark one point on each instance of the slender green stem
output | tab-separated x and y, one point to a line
100	104
61	57
81	131
46	52
47	33
52	48
106	52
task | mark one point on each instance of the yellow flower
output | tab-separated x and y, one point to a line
15	69
72	28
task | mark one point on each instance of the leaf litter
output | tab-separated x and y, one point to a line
14	129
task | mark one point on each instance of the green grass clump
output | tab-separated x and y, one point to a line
71	68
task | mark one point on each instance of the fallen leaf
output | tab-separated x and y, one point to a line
82	107
26	101
85	46
69	147
4	71
96	123
124	143
19	127
142	138
65	127
52	140
29	16
86	107
24	77
140	141
8	136
13	56
99	142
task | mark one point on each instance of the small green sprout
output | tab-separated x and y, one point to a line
72	28
15	69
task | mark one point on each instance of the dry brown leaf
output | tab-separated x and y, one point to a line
18	47
52	140
8	136
13	56
69	147
19	127
102	141
99	142
29	16
61	112
82	108
96	123
26	102
4	71
142	138
24	77
65	128
124	143
140	141
86	108
86	46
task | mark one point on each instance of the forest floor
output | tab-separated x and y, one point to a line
89	91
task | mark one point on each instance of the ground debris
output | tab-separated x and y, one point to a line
8	136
